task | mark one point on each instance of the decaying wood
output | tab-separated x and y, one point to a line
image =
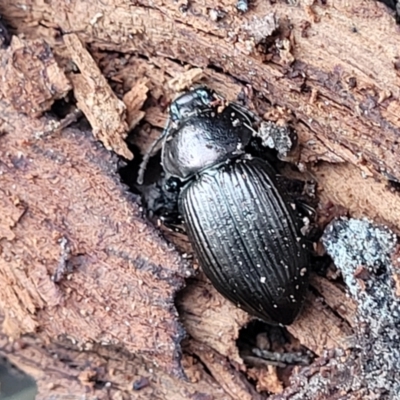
120	275
134	100
329	66
81	271
105	112
362	196
31	77
210	319
108	373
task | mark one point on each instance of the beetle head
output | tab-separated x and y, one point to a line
191	103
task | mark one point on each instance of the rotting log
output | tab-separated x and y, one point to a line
69	212
333	64
330	68
106	372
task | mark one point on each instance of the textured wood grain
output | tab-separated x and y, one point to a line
66	209
63	371
31	77
332	64
105	112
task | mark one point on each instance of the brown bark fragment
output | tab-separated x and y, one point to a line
155	117
64	371
260	28
31	78
347	186
105	112
312	149
145	138
186	80
11	210
211	319
335	297
122	278
134	100
266	378
232	381
318	328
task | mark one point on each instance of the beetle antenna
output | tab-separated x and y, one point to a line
149	154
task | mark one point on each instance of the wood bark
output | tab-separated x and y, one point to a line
83	274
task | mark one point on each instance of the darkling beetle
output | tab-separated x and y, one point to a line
240	223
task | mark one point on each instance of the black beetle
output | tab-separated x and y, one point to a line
241	224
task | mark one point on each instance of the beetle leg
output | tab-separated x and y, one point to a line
161	202
150	152
272	347
283	359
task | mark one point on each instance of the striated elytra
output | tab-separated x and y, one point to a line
246	240
243	229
